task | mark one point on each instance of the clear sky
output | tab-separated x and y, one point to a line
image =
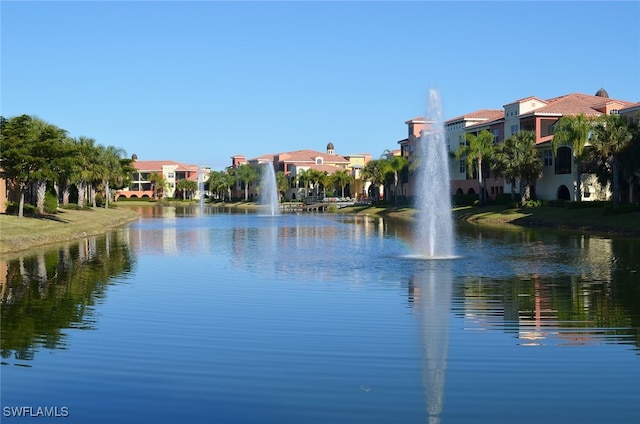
198	82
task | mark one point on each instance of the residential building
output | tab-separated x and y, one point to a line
294	162
142	186
526	114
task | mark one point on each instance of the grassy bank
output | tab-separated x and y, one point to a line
590	220
18	234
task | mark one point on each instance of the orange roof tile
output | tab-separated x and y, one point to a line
483	114
574	104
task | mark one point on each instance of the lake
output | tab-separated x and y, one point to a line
195	316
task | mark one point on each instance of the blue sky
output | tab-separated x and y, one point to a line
198	82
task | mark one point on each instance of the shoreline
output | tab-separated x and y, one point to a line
588	220
18	235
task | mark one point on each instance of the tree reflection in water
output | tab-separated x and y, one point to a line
46	292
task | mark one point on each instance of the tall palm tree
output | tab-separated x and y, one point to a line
84	169
396	164
478	148
611	137
573	131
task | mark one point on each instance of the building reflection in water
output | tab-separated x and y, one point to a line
431	291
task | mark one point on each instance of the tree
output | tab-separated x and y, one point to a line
342	178
109	168
317	178
375	171
517	159
282	183
611	137
159	184
84	169
246	174
303	177
30	155
478	148
572	131
395	165
187	187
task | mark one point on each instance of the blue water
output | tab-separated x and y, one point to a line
240	318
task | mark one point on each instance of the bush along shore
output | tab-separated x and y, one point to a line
19	234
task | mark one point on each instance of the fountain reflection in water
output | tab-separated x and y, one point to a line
269	196
434	229
433	300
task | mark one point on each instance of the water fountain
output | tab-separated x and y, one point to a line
269	196
434	229
200	189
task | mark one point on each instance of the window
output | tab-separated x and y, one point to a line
319	161
462	166
548	158
170	175
514	129
614	112
563	161
496	135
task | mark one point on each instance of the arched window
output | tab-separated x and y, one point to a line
319	161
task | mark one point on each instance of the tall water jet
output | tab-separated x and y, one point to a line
201	189
434	229
269	196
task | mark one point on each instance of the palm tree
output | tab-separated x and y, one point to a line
110	168
517	159
396	164
187	187
572	131
375	171
611	137
342	178
246	174
303	177
317	178
282	183
159	184
478	148
83	173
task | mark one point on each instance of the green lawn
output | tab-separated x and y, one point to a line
17	234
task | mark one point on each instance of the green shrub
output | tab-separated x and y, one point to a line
50	202
27	209
465	199
332	209
532	204
99	200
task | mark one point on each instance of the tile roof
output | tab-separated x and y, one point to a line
307	155
329	169
526	99
483	114
575	104
156	165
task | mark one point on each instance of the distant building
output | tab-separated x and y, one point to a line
142	186
294	162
